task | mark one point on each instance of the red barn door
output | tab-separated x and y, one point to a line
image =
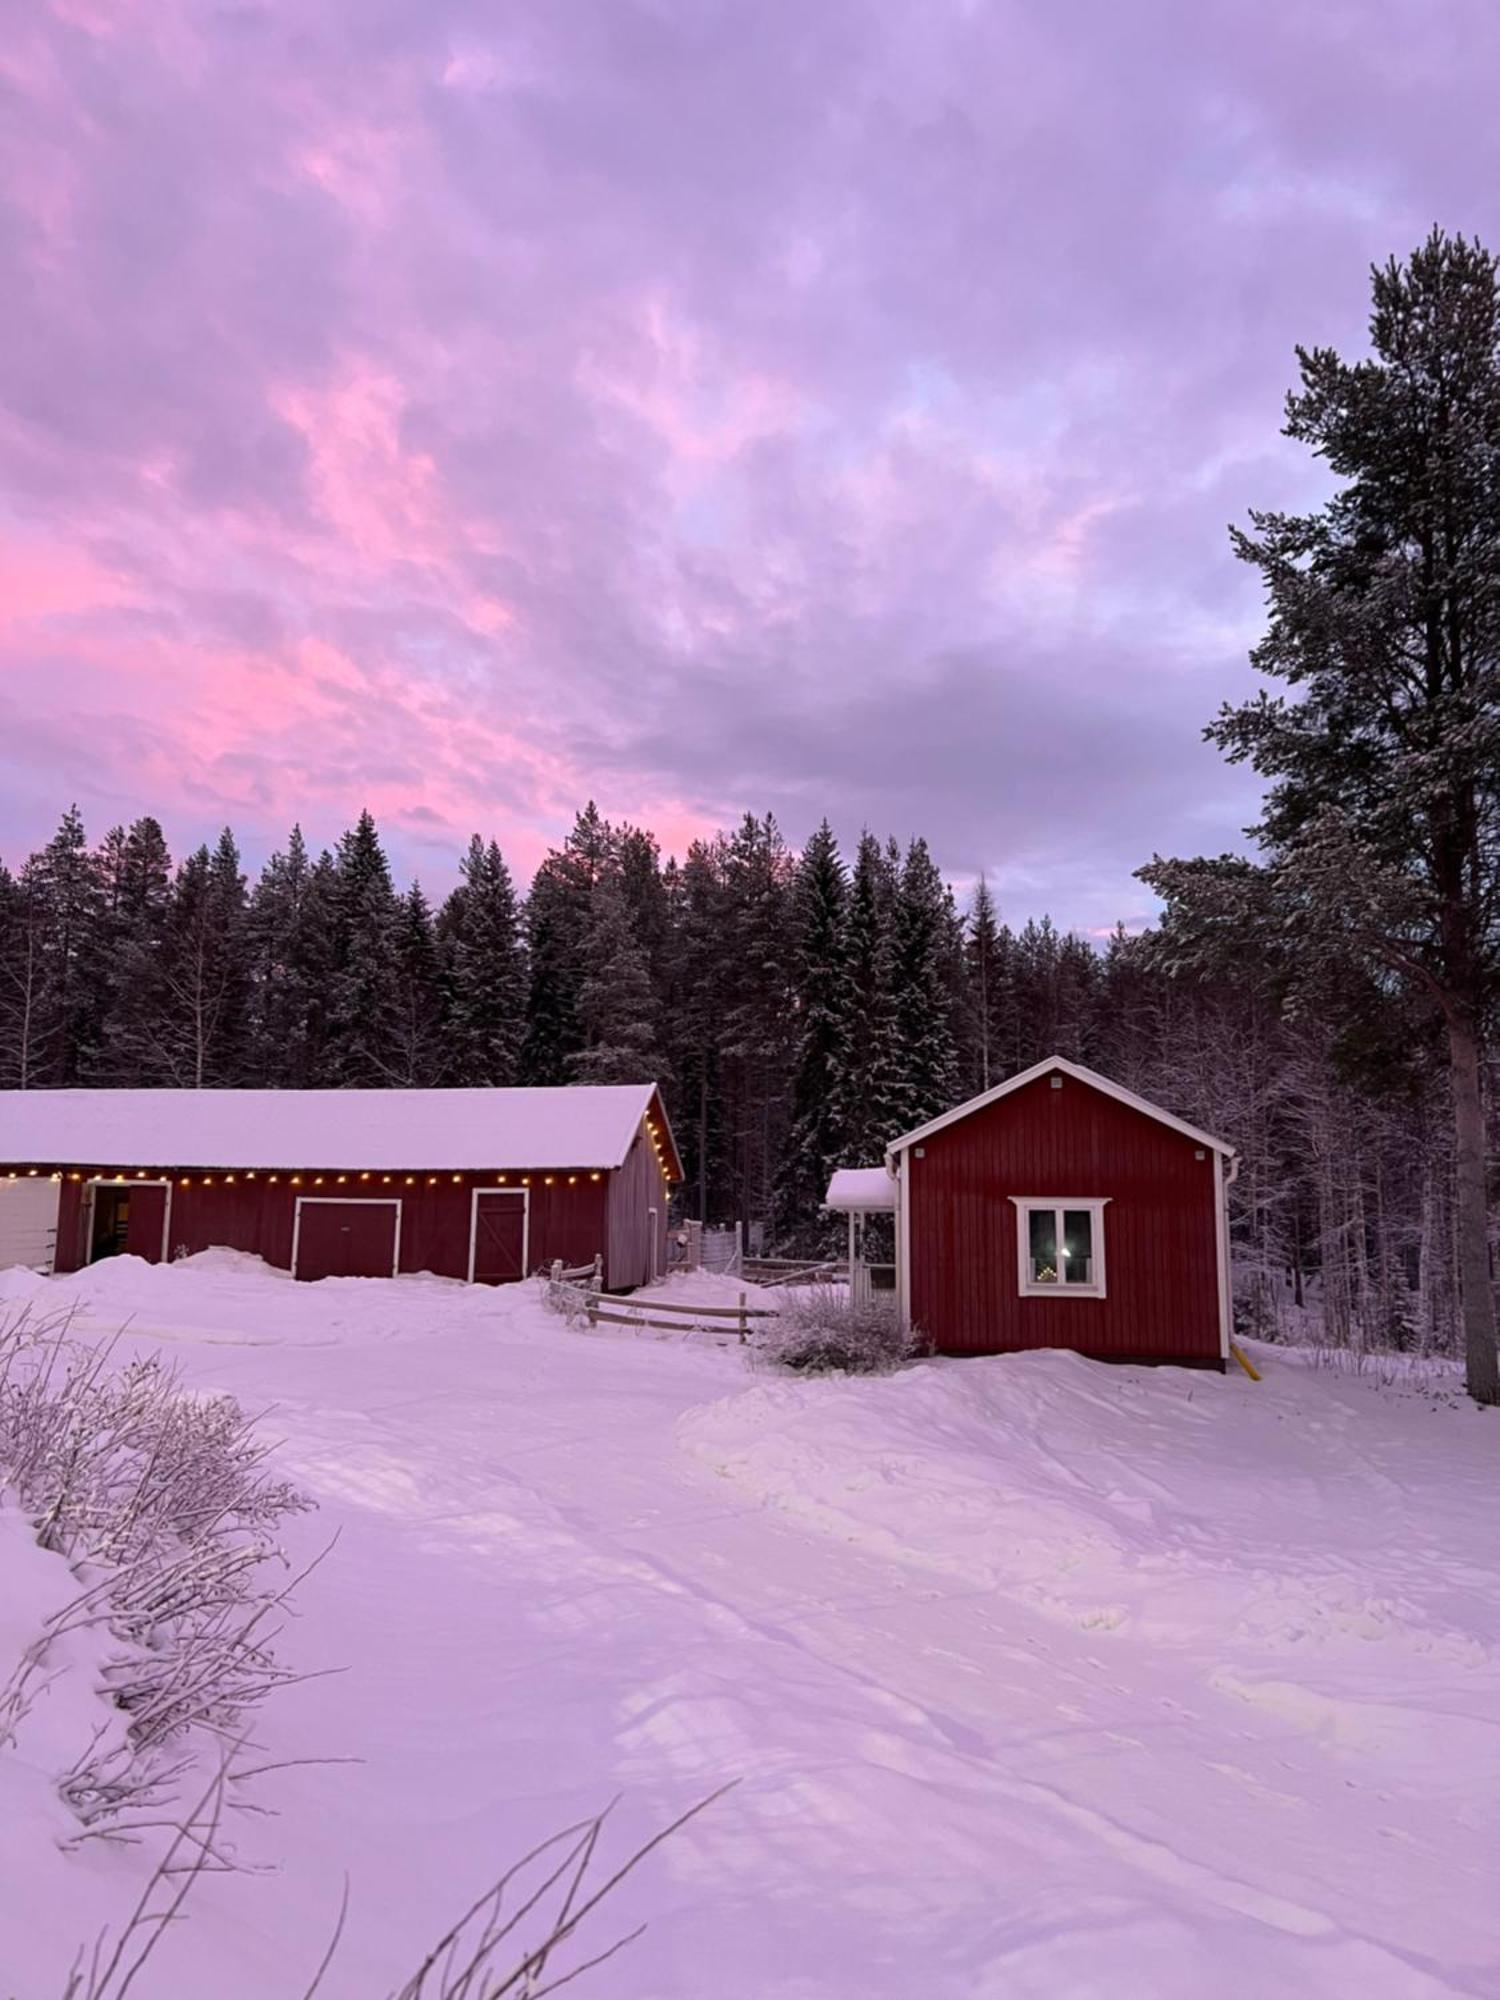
498	1250
345	1239
146	1223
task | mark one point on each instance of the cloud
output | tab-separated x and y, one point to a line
830	410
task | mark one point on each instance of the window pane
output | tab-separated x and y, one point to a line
1078	1246
1043	1222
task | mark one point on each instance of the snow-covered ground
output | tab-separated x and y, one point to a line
1038	1679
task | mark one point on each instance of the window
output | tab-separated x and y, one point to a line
1060	1246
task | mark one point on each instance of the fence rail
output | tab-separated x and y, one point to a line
572	1274
604	1309
772	1271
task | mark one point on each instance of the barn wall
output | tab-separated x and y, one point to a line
635	1189
255	1214
1161	1266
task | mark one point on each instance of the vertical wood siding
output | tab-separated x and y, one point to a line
1161	1267
568	1214
635	1190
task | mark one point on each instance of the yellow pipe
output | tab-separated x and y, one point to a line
1249	1367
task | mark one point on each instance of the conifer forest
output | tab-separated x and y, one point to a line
801	1009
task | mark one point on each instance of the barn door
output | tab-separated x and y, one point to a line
146	1224
345	1239
498	1248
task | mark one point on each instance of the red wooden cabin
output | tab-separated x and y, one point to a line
485	1185
1060	1210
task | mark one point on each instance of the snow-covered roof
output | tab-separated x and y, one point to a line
1089	1076
861	1189
579	1125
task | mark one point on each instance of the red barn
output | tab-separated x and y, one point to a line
485	1185
1059	1210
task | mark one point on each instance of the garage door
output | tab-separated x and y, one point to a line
28	1222
499	1237
345	1239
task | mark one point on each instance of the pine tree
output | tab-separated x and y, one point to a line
616	1001
1382	819
363	1026
23	948
697	979
485	965
816	1144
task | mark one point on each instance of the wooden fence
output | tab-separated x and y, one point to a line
604	1309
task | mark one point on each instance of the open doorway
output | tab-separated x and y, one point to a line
110	1232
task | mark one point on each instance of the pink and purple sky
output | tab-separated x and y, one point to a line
466	409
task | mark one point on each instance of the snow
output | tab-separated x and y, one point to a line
1037	1678
861	1188
577	1125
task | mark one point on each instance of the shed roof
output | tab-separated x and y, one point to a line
577	1125
1081	1075
861	1190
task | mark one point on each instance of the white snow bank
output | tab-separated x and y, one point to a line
1041	1681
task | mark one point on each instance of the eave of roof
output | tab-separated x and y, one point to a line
1081	1075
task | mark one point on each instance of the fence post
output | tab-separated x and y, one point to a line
598	1270
744	1320
557	1270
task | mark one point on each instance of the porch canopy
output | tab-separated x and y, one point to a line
862	1191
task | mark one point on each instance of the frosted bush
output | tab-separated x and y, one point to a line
160	1503
822	1331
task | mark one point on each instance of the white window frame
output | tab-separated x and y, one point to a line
346	1201
97	1181
524	1196
1056	1203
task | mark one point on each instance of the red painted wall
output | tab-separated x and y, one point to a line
635	1255
1161	1269
254	1213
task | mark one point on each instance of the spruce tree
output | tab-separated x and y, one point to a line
485	972
988	994
203	974
755	1032
557	922
420	1056
868	1092
287	938
362	1028
64	889
925	978
816	1144
138	901
616	1000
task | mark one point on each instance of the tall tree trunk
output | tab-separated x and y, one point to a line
1476	1299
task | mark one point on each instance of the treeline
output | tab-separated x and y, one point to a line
800	1009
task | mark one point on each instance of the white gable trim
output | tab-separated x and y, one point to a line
899	1147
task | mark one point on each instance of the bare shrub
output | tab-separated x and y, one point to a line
822	1331
160	1503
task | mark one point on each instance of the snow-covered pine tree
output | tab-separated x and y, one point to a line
697	974
616	1001
363	1031
479	929
1382	819
816	1144
927	1079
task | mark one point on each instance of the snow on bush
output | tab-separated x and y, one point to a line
160	1504
822	1331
